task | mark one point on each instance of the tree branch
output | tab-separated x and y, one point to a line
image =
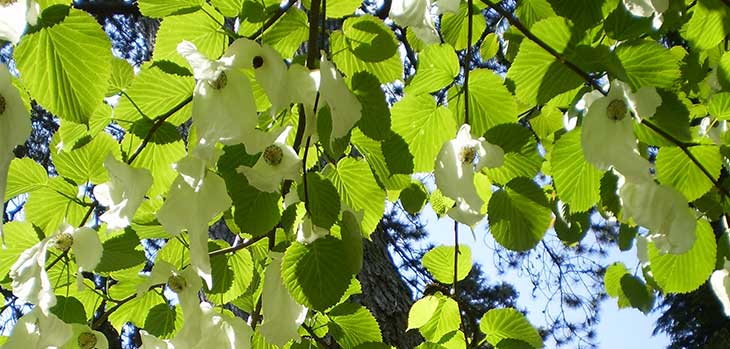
158	123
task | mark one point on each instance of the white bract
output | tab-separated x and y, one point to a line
416	15
185	284
224	109
608	130
454	170
36	330
720	283
30	279
345	108
203	328
84	337
278	161
14	16
282	315
308	233
648	8
664	211
190	208
14	127
448	6
123	194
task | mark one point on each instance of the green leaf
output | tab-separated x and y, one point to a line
610	200
440	203
455	27
519	215
547	121
628	289
445	319
537	75
397	156
289	32
324	202
490	103
413	197
424	126
576	181
508	323
672	116
86	163
338	8
121	252
70	310
352	238
521	158
708	25
723	71
622	25
229	8
358	190
645	63
352	324
438	65
674	168
163	321
315	274
122	76
685	272
584	14
719	106
375	120
54	204
164	148
49	60
366	44
371	149
242	267
135	311
440	263
531	12
422	311
489	47
155	93
164	8
254	211
198	27
19	236
24	176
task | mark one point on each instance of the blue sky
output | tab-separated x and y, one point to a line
618	328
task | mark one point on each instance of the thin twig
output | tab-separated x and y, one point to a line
158	123
100	321
236	247
272	20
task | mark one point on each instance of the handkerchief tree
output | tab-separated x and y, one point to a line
258	115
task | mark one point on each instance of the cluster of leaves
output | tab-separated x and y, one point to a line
556	52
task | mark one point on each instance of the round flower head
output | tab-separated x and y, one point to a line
84	337
720	283
39	330
14	126
664	211
282	314
123	194
278	161
185	284
608	130
224	109
454	170
14	14
416	15
648	8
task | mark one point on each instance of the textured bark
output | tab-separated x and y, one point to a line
385	293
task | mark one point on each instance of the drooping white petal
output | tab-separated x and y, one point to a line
490	155
448	6
345	108
84	337
307	83
15	126
647	8
207	329
185	284
151	342
416	15
30	279
664	211
87	250
13	18
123	193
203	67
191	210
720	283
38	330
454	172
279	161
308	233
282	315
269	68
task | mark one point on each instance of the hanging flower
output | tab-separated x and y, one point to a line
416	15
720	283
151	342
30	279
608	130
123	194
224	109
648	8
192	207
278	161
14	16
39	330
454	170
185	284
14	125
345	108
84	337
282	315
206	329
308	232
664	211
